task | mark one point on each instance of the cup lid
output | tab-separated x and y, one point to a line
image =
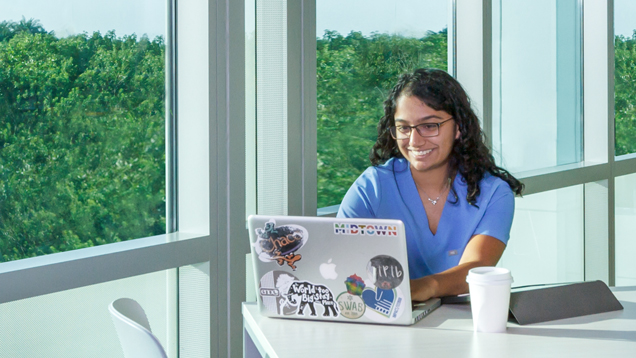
489	275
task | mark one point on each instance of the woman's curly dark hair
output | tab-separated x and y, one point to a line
440	91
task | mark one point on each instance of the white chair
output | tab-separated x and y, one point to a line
133	329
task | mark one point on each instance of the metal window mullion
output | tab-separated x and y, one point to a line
611	186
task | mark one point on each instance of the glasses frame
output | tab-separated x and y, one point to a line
393	129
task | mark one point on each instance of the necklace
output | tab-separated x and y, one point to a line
434	202
431	200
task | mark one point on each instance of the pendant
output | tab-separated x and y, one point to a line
433	201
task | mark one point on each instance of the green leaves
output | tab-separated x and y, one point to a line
625	94
355	74
81	141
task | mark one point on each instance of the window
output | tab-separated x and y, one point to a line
537	91
625	76
82	125
625	218
546	244
359	59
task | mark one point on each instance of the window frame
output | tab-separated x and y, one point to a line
219	235
212	226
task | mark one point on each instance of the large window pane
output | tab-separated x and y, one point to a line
536	83
362	48
546	240
624	220
82	123
625	76
76	323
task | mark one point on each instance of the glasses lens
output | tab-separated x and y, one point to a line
428	129
397	133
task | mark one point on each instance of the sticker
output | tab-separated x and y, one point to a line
363	229
279	243
385	272
379	300
273	288
350	306
304	293
328	270
355	285
383	305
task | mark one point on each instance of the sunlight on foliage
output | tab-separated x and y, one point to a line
81	139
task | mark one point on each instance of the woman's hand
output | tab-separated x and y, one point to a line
423	288
482	250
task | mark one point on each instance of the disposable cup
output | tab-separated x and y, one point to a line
489	298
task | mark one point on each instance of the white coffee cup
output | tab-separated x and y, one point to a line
489	298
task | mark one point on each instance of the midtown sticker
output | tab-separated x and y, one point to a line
362	229
280	243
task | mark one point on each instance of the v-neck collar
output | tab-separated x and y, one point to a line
413	200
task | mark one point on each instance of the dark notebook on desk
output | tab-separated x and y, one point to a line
536	305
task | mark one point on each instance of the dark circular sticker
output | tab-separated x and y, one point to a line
385	271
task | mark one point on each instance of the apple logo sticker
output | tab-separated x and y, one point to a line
328	270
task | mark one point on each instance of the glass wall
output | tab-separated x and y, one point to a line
546	240
82	124
77	323
537	94
625	240
359	58
624	76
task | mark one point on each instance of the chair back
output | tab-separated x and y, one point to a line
133	330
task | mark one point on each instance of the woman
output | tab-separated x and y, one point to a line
432	170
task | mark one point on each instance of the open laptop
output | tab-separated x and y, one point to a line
347	270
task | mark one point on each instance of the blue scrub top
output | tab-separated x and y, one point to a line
388	191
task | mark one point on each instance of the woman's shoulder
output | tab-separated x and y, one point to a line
489	186
386	169
393	165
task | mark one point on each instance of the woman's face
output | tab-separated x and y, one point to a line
425	153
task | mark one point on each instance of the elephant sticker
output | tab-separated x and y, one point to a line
304	293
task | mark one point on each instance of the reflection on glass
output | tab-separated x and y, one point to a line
625	216
536	83
362	48
624	76
546	240
82	155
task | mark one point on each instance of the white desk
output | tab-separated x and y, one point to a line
447	332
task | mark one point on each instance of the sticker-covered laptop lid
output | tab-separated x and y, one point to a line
352	270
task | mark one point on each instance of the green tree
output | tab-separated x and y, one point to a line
81	140
355	74
625	94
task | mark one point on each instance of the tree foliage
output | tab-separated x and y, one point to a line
82	152
355	74
81	140
625	94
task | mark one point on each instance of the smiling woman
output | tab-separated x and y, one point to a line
468	223
357	59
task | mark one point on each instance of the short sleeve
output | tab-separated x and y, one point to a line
362	198
497	219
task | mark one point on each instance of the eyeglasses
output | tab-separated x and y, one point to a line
424	130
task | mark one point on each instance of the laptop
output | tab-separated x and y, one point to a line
333	269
